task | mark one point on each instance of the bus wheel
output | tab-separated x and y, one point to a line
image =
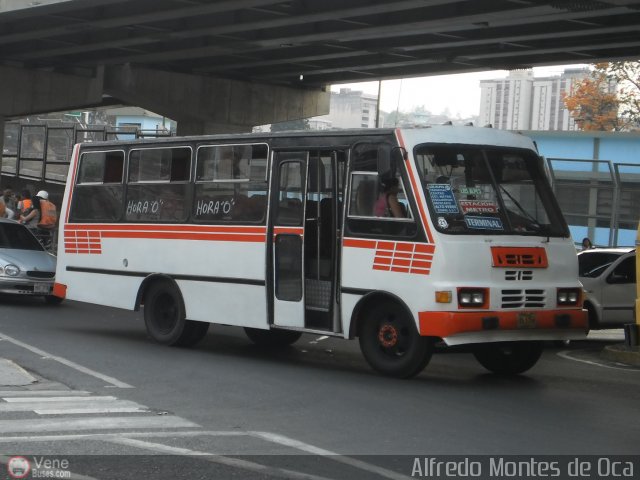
508	358
272	338
391	343
164	317
593	317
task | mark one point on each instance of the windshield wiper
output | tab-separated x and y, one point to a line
534	222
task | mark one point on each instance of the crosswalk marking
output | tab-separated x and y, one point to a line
44	393
71	405
66	424
58	399
79	410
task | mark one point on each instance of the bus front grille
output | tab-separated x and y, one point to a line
531	298
515	275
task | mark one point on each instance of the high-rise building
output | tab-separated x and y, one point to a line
523	102
352	109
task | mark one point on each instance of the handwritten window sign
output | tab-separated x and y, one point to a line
484	223
478	206
442	198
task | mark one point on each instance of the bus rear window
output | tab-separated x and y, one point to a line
99	191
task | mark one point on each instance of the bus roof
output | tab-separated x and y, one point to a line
435	134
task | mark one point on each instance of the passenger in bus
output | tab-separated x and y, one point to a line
387	204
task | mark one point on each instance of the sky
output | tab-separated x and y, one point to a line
459	93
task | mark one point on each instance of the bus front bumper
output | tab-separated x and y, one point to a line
458	328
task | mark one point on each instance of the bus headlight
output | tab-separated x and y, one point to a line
11	270
473	297
569	297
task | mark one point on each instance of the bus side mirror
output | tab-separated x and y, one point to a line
388	159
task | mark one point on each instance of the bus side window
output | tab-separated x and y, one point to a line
231	184
98	194
158	184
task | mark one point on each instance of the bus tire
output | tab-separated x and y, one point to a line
592	317
390	342
508	358
165	319
272	338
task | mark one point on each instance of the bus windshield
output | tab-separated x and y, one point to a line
480	190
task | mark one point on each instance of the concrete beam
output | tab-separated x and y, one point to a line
25	92
212	105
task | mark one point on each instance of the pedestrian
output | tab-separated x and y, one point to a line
30	216
10	203
25	204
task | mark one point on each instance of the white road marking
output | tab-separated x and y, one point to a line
93	423
71	405
103	436
81	411
39	393
113	381
60	399
566	355
305	447
213	458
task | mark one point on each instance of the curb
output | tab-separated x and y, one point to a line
623	354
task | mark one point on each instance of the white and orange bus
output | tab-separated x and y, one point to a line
289	233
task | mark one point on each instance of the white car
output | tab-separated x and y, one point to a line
608	276
26	268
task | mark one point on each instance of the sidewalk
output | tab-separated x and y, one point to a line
618	352
12	375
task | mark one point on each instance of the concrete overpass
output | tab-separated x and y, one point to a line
220	66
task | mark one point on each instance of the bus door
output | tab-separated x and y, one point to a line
287	237
304	222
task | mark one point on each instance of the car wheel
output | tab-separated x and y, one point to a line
508	358
272	338
391	343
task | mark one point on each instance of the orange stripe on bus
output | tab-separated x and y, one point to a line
416	191
358	243
164	228
237	237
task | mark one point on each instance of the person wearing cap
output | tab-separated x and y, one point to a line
48	213
32	217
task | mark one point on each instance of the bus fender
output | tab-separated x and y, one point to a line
149	279
368	301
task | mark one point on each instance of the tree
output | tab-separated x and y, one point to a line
627	76
593	105
301	124
609	99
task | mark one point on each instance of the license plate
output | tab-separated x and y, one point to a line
42	288
526	320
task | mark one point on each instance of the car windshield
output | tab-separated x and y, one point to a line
592	264
479	190
17	237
